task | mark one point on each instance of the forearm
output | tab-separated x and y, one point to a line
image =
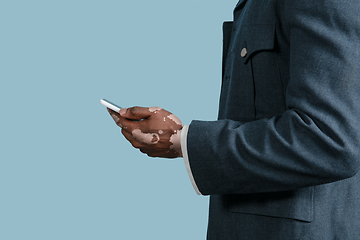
265	155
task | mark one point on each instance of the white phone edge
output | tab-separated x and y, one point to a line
110	105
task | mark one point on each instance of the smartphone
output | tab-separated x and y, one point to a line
110	105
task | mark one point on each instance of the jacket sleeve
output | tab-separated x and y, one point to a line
317	139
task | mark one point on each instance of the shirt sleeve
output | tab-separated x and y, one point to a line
186	157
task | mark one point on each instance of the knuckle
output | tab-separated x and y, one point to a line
155	109
136	144
125	132
145	151
150	154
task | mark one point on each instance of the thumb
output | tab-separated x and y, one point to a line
136	113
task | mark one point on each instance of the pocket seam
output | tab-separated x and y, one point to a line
298	207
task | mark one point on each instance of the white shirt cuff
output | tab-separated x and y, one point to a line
184	151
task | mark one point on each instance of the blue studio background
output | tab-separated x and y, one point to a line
66	172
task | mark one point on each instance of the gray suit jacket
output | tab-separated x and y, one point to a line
282	161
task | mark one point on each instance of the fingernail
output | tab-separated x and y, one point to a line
123	111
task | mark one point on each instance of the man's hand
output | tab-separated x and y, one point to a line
155	131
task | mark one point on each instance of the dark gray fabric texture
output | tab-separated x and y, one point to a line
282	160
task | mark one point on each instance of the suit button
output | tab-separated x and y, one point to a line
243	52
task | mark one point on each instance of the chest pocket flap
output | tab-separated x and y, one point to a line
256	38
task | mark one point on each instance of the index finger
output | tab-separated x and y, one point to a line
115	116
136	113
123	122
129	124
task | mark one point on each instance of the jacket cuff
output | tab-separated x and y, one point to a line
184	151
